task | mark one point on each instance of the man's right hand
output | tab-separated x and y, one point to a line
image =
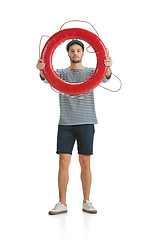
40	65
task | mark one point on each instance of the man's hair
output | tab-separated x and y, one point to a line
73	42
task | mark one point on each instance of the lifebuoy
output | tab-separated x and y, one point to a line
76	88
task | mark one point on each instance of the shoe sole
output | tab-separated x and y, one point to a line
87	211
56	213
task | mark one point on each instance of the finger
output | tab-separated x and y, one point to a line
108	60
40	60
40	66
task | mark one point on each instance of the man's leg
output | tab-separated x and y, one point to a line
63	176
86	177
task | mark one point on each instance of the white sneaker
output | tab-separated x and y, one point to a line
88	207
58	209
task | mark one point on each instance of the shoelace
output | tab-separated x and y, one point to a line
56	205
90	204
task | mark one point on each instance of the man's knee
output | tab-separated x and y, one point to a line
84	161
64	160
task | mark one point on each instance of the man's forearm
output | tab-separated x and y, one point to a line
109	73
42	76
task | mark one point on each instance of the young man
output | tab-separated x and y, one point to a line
77	119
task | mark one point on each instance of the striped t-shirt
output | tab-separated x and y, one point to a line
76	110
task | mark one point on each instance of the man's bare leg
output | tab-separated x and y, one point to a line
63	176
86	176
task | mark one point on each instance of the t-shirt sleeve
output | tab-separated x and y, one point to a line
104	79
58	73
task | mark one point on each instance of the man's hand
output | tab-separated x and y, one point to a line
108	61
40	65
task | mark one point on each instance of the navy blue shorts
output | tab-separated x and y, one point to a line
84	134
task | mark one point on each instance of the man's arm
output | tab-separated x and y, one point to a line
109	73
42	76
40	65
108	62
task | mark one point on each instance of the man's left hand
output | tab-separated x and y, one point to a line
108	61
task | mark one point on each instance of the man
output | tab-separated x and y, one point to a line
77	119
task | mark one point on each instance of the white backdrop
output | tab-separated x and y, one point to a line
125	165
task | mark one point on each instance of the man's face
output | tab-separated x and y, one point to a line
75	53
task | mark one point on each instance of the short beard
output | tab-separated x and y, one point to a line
78	61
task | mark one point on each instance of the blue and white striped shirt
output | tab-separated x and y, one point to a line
76	111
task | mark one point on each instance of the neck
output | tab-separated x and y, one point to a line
76	66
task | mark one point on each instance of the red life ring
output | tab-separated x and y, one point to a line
76	88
